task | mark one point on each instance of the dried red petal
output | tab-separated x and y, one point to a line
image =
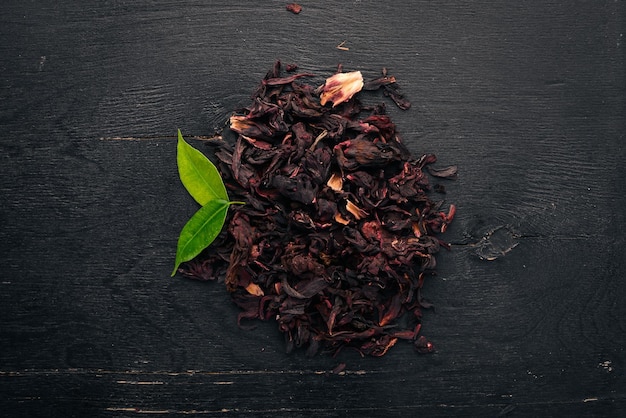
294	8
341	87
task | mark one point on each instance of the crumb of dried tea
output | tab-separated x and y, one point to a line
294	8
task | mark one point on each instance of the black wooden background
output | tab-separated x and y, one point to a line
527	98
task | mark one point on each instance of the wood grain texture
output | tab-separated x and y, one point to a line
528	101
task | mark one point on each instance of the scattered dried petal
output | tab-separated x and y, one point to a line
294	8
341	87
416	229
335	182
255	289
340	219
390	89
356	211
451	213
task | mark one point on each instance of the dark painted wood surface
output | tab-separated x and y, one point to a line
527	99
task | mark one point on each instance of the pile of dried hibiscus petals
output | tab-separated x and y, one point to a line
338	231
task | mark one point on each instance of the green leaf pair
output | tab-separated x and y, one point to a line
204	183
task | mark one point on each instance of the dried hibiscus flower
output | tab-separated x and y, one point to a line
339	233
294	8
341	87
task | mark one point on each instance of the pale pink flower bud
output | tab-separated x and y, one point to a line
341	87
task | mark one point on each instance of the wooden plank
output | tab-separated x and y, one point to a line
529	102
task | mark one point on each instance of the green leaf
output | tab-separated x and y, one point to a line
199	176
200	231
